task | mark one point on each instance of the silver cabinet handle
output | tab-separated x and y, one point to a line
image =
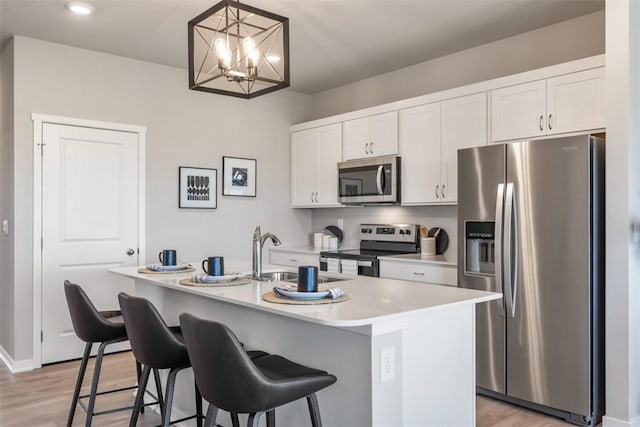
417	273
293	260
312	196
541	124
442	192
498	247
366	146
130	251
550	121
437	188
371	147
315	197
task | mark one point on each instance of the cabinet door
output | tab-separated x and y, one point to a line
518	111
355	139
576	102
303	168
383	134
328	155
419	144
419	272
464	125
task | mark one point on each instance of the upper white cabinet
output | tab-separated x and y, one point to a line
430	137
315	154
419	130
464	125
371	136
567	103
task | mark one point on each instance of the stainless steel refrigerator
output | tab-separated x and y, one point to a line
530	225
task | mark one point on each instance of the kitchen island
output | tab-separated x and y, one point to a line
403	352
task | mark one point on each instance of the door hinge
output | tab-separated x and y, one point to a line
41	336
42	149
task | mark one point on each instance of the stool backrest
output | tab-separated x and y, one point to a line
88	324
152	342
225	375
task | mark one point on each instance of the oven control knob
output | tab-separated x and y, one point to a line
401	231
408	232
364	230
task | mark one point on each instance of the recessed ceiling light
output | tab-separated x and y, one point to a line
79	8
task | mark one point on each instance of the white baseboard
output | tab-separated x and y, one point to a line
608	421
16	366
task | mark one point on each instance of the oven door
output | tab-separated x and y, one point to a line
373	180
350	267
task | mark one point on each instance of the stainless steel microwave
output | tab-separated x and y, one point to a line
369	181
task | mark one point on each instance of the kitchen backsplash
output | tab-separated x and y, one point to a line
429	216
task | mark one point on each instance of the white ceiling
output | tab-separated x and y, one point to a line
333	42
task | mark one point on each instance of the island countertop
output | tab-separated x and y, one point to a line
371	300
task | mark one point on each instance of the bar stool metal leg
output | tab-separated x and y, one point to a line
171	384
212	415
156	377
254	419
139	403
76	391
198	406
271	418
314	410
94	383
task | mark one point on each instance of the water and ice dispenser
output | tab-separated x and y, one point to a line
479	247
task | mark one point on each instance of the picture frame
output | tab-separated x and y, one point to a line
197	188
239	176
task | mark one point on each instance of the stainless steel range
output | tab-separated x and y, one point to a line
376	240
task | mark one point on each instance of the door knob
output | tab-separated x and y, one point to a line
130	251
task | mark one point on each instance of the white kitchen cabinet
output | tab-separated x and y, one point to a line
294	259
371	136
464	125
419	143
315	154
419	272
430	137
567	103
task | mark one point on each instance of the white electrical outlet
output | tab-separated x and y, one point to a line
5	227
387	364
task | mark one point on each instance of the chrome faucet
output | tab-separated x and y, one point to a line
258	243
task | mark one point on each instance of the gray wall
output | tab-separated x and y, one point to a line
573	39
6	195
185	128
566	41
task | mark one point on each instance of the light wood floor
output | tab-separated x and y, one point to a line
42	398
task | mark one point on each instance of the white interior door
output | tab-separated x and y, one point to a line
89	224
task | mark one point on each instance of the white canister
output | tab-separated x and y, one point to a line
325	241
428	246
317	240
333	243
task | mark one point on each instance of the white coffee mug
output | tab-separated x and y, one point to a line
428	246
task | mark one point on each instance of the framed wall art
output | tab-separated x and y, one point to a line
197	188
238	177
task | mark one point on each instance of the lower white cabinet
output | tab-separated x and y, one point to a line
419	272
294	259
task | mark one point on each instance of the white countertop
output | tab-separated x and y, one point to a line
417	258
372	300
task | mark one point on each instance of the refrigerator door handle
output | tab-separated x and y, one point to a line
498	246
510	255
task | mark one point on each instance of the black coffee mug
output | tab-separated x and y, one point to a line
167	257
213	266
307	278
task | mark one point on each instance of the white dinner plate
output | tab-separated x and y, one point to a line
303	295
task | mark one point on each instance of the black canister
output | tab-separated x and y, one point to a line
307	278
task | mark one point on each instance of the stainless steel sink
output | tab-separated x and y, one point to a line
292	277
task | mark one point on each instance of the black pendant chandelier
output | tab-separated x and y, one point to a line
238	50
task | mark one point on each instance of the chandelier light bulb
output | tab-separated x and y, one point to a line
222	51
251	52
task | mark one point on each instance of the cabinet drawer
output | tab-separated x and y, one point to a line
294	259
419	272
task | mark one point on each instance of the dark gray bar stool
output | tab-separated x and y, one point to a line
93	326
230	380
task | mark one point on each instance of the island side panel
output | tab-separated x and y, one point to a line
439	368
345	353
